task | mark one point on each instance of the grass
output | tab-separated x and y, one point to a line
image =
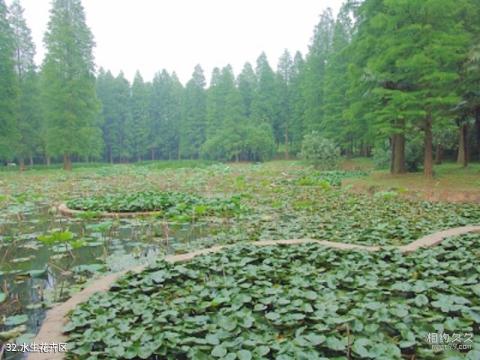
451	182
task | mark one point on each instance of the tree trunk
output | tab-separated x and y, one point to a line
462	157
31	160
47	160
438	154
428	143
67	162
398	154
153	154
392	149
21	161
110	155
477	126
398	149
286	144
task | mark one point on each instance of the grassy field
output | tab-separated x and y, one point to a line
451	182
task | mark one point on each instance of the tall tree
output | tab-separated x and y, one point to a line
166	102
9	135
215	103
247	85
193	126
335	125
297	102
468	111
140	124
285	75
265	102
27	114
316	62
71	105
106	93
121	146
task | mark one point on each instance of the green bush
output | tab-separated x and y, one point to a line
320	152
241	142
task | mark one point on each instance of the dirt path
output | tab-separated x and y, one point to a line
51	330
65	210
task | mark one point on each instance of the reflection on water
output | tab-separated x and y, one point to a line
35	275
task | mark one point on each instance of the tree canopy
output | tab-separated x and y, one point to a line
400	77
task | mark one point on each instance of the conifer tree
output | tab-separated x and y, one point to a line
68	84
316	62
193	126
139	126
284	90
265	101
9	135
166	104
27	114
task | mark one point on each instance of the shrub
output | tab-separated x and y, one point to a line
241	142
320	152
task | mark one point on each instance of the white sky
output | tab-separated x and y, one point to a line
150	35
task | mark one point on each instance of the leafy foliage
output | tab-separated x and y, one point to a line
170	204
286	302
8	87
68	84
333	178
321	152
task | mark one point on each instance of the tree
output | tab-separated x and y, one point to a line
114	95
106	92
140	123
412	51
316	61
9	136
296	130
335	125
247	85
284	90
468	111
193	126
27	114
68	84
166	104
216	95
264	104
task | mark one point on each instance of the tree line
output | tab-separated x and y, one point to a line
396	80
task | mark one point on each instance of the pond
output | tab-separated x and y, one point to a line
34	275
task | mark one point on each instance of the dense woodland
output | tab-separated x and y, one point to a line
398	80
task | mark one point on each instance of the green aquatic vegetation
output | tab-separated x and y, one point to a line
62	241
326	178
340	216
278	208
288	302
16	320
174	205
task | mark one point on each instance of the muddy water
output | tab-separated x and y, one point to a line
35	275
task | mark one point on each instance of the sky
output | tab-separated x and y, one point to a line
151	35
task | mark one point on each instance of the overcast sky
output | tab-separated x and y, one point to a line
150	35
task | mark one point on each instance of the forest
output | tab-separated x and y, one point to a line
393	80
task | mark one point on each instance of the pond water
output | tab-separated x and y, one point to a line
35	275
